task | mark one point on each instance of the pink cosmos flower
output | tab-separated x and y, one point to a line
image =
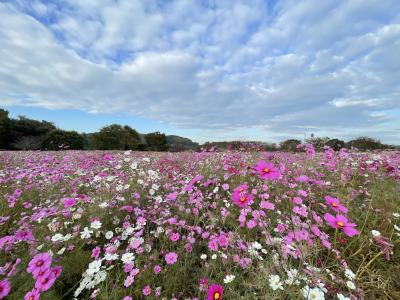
32	295
213	245
171	258
68	202
96	252
215	292
128	281
267	170
174	236
147	290
223	241
157	269
240	196
342	223
267	205
5	288
335	204
44	283
39	263
56	271
127	298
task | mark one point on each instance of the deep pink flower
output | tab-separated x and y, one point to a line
56	271
39	263
213	245
24	235
242	198
68	202
335	204
215	292
267	170
5	288
171	258
32	295
44	283
342	223
223	241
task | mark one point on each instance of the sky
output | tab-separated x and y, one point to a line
205	69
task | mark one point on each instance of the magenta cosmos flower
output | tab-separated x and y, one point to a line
342	223
335	204
5	288
45	282
215	292
267	170
171	258
32	295
241	197
39	263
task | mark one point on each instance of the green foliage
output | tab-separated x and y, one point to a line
366	143
318	142
156	141
4	127
116	137
61	139
289	145
336	144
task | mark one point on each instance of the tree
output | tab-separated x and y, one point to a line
60	139
336	144
23	129
318	142
289	145
366	143
4	129
156	141
116	137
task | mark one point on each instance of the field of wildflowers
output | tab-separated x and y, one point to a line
209	225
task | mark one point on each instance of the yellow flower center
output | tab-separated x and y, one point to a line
334	204
266	170
341	224
31	298
242	199
217	296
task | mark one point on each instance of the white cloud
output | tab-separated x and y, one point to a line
226	65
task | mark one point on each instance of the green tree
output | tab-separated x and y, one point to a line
366	143
61	139
336	144
289	145
116	137
156	141
4	129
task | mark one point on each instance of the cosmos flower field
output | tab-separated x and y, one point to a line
206	225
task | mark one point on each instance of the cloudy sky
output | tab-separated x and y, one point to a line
209	70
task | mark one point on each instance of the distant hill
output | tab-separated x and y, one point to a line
178	143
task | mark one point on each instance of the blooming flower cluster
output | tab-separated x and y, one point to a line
205	225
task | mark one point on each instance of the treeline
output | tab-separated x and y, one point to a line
27	134
361	143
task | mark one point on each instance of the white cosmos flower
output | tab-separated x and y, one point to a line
127	257
229	278
109	235
349	274
86	233
95	224
203	256
350	285
275	282
312	293
375	233
57	237
341	297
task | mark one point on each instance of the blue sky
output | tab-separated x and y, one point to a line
208	70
